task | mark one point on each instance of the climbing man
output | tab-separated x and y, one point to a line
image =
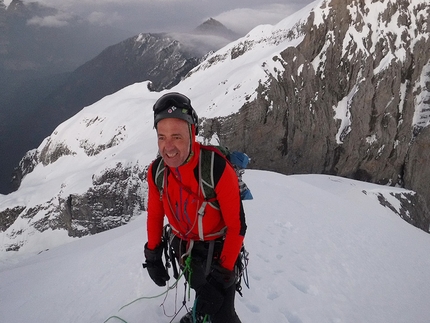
207	234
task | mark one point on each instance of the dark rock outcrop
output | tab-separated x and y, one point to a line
114	197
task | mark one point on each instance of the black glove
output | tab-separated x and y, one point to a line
221	276
154	264
210	296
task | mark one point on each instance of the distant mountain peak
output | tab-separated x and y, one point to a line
216	28
16	5
17	8
211	23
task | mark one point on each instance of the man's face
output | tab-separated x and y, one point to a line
173	141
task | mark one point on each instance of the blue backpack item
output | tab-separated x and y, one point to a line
240	160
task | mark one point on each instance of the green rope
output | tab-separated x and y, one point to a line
186	267
116	317
190	271
156	296
206	317
145	297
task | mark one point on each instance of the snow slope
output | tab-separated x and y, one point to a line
322	249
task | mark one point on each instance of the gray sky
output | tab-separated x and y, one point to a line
172	15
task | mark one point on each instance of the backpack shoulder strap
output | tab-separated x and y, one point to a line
206	178
158	169
211	166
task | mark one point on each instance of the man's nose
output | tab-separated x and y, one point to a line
168	144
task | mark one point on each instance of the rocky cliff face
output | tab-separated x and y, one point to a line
352	99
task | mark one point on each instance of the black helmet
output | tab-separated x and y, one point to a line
175	105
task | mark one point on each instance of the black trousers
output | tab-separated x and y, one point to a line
199	266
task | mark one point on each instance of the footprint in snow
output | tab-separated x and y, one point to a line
263	257
304	288
273	295
291	317
253	308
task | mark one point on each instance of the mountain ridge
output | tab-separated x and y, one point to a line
57	97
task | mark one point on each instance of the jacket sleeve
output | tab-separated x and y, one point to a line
228	197
155	218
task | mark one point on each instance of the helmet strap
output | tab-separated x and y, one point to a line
191	129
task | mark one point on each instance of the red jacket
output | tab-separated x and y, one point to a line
181	207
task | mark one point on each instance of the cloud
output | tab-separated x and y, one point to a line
201	44
103	18
171	15
59	20
242	20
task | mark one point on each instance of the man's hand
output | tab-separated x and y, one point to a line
154	265
221	276
211	295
